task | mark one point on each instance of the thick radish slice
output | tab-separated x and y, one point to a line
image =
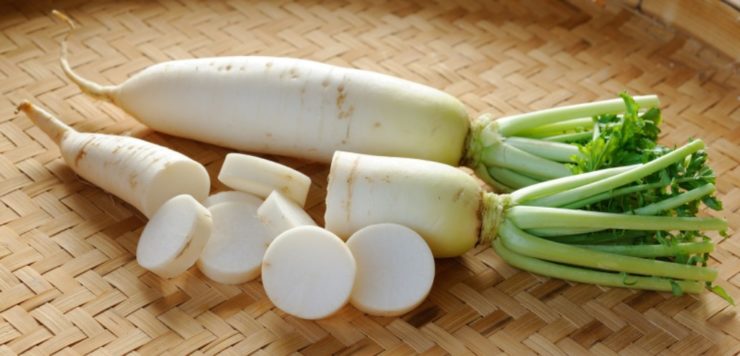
231	196
308	272
141	173
280	214
260	177
395	269
234	252
175	236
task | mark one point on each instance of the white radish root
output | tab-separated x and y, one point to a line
280	214
238	242
260	177
395	269
438	201
174	237
290	107
308	272
231	196
139	172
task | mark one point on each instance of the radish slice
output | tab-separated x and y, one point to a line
280	214
234	252
260	177
395	269
175	236
230	196
308	272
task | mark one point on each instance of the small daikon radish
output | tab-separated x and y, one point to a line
174	238
141	173
230	196
308	272
234	252
260	177
395	269
440	202
280	214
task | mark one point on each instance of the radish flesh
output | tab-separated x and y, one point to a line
308	272
231	196
280	214
395	269
260	177
174	237
238	242
141	173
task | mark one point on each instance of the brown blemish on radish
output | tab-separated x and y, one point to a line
294	73
268	65
133	181
325	83
458	195
228	67
350	182
377	125
341	97
83	152
185	248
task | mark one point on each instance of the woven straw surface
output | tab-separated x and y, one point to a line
69	282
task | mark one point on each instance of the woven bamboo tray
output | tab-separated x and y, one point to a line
69	282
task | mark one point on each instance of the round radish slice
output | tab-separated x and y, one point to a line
280	214
395	269
175	236
260	177
308	272
234	252
231	196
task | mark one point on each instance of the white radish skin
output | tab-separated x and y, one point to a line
233	254
395	269
290	107
174	237
231	196
308	272
141	173
260	177
438	201
280	214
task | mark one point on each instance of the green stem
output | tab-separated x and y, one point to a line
559	152
562	231
510	178
649	251
581	124
569	137
579	193
535	217
482	172
532	246
676	201
559	185
601	237
510	126
505	156
582	275
613	194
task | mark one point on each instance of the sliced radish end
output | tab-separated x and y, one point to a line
174	237
395	269
308	272
233	254
280	214
260	177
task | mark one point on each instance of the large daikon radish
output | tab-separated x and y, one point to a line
280	214
175	236
141	173
395	269
238	242
259	176
308	272
440	202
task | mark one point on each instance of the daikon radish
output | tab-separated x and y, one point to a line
174	238
395	269
230	196
141	173
238	242
280	214
259	176
308	272
606	227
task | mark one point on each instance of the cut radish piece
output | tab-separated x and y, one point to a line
234	252
308	272
259	176
230	196
175	236
395	269
280	214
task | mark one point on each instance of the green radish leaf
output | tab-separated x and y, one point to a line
719	291
676	289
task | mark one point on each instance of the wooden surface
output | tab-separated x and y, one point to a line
69	282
